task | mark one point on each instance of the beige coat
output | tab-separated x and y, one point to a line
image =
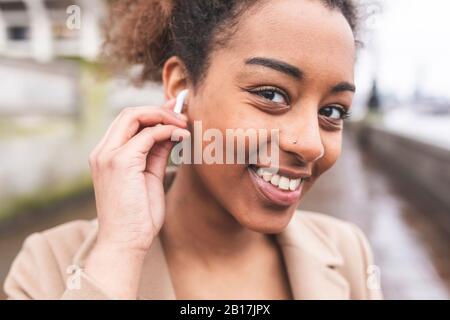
325	259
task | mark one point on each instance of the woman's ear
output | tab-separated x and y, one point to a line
174	77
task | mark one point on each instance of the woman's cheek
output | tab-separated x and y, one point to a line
332	143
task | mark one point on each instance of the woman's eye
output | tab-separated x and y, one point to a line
273	95
334	112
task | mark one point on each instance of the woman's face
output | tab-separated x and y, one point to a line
288	67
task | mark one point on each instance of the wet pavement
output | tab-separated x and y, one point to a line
410	246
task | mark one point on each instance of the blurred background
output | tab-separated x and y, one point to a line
393	179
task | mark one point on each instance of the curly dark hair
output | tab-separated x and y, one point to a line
148	32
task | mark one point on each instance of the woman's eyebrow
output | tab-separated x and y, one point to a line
277	65
342	87
295	72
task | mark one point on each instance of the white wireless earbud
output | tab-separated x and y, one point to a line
180	101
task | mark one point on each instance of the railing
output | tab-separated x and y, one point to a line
425	166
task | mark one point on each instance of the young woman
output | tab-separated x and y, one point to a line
215	231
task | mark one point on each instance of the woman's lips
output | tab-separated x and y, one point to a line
274	194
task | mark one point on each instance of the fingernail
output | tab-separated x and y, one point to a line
180	116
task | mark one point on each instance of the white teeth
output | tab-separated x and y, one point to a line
275	180
260	172
294	184
267	176
283	183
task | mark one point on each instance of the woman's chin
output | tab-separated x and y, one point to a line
267	221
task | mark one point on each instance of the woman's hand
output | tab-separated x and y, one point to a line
128	168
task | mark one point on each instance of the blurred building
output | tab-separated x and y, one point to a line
34	34
43	29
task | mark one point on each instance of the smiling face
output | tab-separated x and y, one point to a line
289	66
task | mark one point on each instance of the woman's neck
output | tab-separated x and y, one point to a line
196	222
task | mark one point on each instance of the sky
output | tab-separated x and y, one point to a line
407	46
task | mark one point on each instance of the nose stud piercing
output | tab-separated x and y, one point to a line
294	142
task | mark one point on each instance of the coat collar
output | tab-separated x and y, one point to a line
311	259
312	262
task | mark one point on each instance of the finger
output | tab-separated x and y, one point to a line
167	105
144	140
159	155
172	107
133	119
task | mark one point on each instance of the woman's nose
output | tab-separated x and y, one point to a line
304	141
